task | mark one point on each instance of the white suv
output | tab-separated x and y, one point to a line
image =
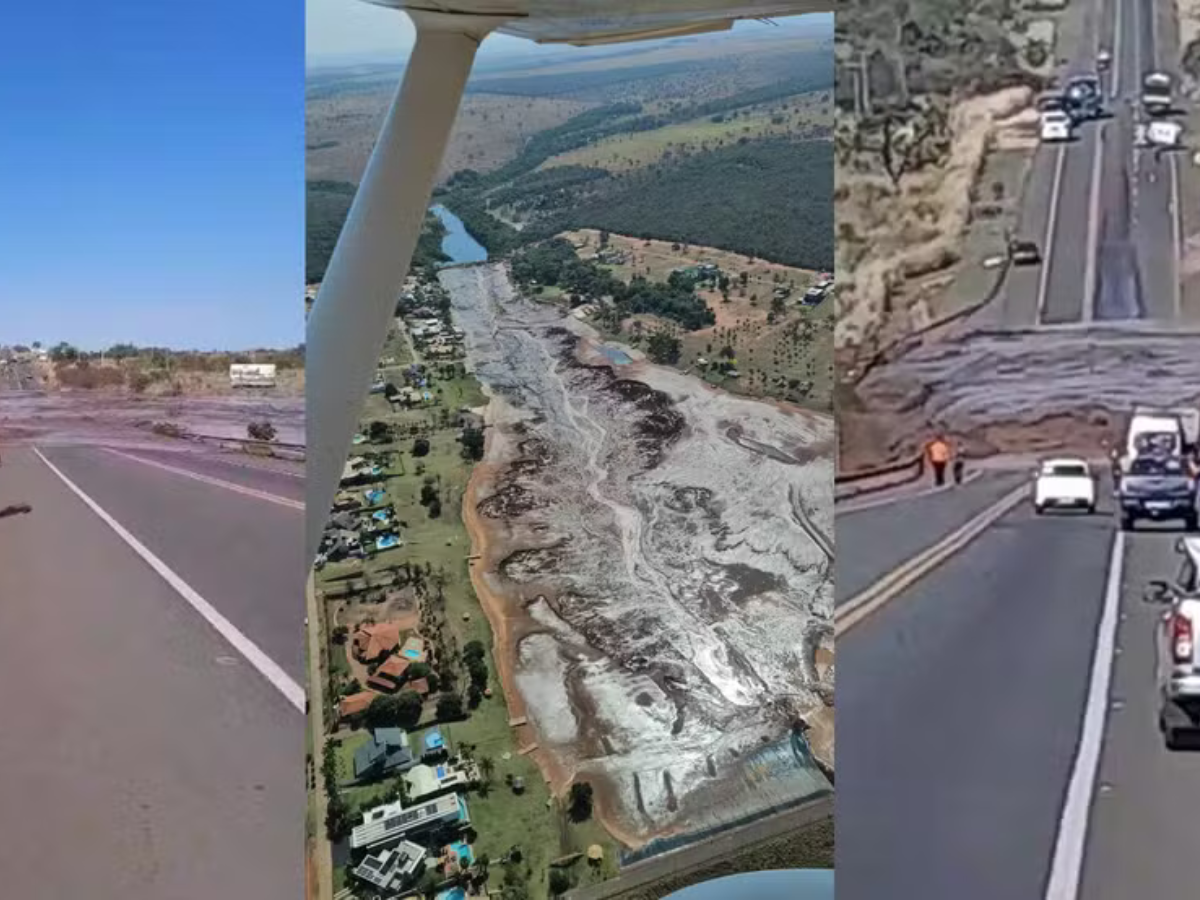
1056	126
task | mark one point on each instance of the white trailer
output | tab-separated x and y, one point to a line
260	375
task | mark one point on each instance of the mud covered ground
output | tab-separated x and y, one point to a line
656	557
1017	393
83	416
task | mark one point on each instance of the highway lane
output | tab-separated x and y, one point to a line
1055	202
892	533
1103	212
144	756
1063	285
1142	837
238	552
959	706
279	477
1155	181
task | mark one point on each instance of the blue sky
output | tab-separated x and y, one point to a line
153	167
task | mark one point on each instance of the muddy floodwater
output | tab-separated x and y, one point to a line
657	557
77	416
987	378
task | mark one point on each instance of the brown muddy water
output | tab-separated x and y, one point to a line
66	417
661	555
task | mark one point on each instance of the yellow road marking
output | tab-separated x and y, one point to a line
871	599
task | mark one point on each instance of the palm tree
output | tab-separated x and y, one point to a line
487	767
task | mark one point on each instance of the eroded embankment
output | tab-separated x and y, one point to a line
654	556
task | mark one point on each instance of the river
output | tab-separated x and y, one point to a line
458	243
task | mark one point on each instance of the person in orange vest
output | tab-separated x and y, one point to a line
938	452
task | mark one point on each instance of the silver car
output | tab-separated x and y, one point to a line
1177	662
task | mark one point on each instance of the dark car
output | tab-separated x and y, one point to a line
1159	489
1084	97
1024	253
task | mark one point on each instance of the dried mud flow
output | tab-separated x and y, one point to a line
657	559
1027	391
78	416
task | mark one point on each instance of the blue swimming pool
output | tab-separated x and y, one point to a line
463	851
411	654
453	894
620	357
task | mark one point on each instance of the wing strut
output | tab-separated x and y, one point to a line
348	325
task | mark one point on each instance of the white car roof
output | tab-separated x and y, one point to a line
1065	461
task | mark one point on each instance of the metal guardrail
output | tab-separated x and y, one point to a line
911	470
243	441
292	450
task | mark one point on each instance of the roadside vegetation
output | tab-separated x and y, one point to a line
933	137
161	371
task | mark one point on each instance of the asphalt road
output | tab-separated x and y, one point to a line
144	755
961	706
1096	203
880	533
1142	836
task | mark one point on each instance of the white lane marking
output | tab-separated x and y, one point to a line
208	479
1051	225
1088	310
849	506
269	669
1176	237
1116	53
1066	865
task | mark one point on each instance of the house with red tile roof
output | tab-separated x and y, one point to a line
389	676
374	642
355	704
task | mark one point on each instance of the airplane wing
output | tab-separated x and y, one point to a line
583	23
348	324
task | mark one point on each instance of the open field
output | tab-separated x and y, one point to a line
489	131
797	115
783	351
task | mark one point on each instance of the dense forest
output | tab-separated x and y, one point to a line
770	199
328	203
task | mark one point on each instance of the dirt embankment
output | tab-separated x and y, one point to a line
509	623
892	236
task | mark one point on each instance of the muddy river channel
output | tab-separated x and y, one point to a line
656	557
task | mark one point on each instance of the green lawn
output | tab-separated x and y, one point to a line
500	817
